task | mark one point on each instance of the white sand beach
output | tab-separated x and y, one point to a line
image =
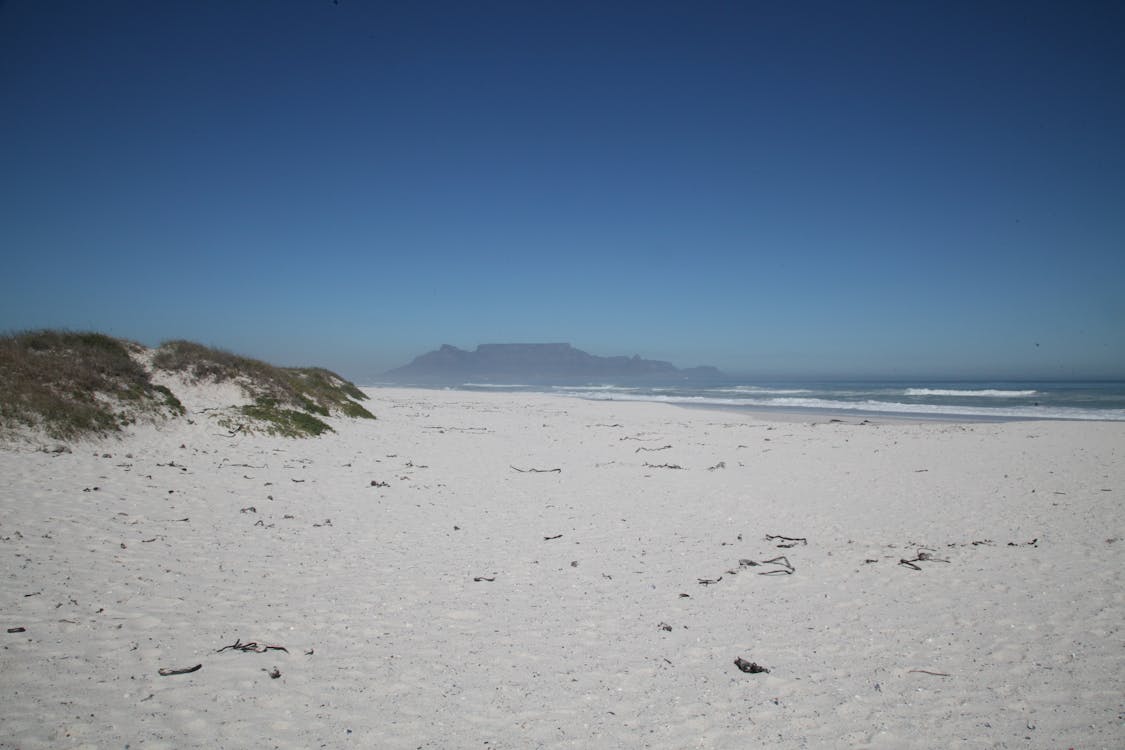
498	570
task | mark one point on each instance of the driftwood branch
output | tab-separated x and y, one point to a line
787	568
787	541
238	645
922	556
186	670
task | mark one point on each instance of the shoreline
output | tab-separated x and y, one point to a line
529	570
843	412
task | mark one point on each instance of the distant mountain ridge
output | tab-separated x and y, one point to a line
535	362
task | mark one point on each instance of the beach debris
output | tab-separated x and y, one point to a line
922	556
745	563
574	563
310	652
478	579
750	667
720	465
273	673
786	541
166	672
377	483
665	626
536	471
327	522
927	671
663	466
238	645
549	538
248	509
661	448
17	630
225	462
685	596
1033	543
708	581
786	569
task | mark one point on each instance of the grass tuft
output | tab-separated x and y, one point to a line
73	384
308	389
284	422
70	385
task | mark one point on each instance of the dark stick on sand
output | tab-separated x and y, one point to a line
790	541
186	670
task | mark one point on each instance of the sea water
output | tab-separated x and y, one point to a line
915	399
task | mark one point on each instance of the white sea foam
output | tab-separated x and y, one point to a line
883	407
762	390
495	385
593	388
985	393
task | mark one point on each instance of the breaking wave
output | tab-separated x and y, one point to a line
954	392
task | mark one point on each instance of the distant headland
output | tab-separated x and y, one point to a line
536	362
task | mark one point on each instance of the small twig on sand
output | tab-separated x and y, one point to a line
652	450
238	645
922	556
549	538
783	560
536	471
926	671
186	670
790	541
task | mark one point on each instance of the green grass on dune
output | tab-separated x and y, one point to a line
71	385
275	390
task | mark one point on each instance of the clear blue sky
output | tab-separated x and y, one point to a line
824	189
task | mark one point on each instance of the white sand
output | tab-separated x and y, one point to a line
392	644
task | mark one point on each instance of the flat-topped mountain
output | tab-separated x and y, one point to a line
535	362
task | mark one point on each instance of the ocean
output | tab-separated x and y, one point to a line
1000	401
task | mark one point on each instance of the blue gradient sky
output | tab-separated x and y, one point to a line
819	189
